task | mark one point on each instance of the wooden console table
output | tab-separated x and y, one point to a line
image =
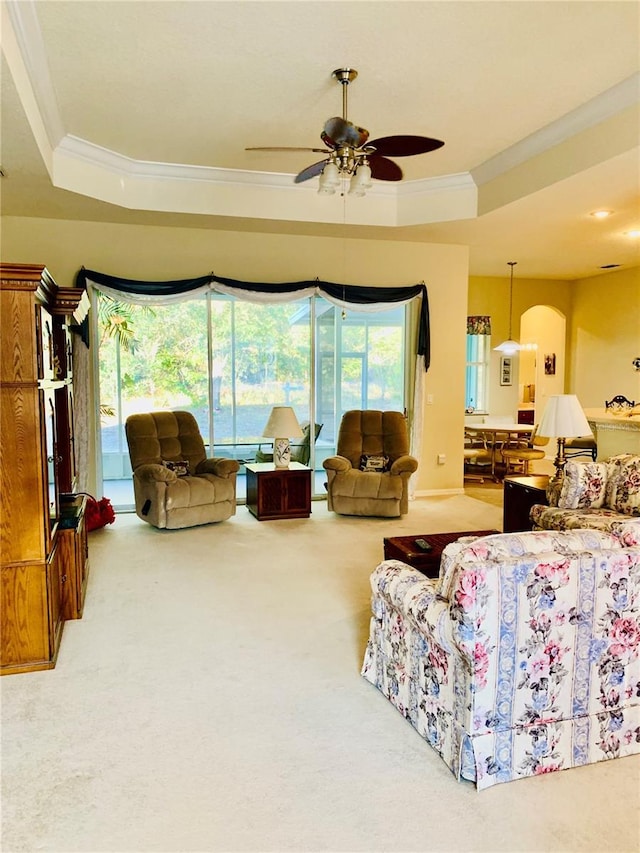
278	492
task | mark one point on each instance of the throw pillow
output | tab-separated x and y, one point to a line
583	486
623	484
181	467
374	463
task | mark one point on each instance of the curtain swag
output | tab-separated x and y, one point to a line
479	324
343	295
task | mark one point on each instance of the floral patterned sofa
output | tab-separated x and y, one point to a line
593	495
522	657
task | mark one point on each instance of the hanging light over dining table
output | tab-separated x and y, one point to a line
509	347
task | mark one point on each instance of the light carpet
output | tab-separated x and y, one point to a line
210	700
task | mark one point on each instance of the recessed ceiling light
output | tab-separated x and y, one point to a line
634	233
601	214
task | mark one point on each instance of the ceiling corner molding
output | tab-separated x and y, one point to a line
82	167
604	106
445	198
22	21
101	158
428	186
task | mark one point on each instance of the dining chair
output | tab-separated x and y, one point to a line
519	454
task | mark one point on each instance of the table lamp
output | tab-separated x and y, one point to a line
563	418
282	422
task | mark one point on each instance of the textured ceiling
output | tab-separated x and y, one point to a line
197	82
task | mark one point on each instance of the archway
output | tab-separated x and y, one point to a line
541	369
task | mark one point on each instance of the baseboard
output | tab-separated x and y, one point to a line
432	493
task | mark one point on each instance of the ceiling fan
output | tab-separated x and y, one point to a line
351	154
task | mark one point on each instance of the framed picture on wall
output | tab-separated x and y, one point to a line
550	364
506	364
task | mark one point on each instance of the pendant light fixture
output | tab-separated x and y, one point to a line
509	347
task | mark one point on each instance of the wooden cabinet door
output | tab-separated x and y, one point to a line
24	525
297	494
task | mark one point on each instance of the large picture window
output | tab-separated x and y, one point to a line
229	361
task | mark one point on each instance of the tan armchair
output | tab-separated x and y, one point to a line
175	485
364	435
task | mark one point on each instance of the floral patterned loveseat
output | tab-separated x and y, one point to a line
522	657
593	495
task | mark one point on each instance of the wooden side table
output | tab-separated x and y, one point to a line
278	492
520	494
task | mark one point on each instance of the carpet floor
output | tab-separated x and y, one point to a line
210	700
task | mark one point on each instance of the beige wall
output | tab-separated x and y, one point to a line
603	330
604	335
489	295
154	253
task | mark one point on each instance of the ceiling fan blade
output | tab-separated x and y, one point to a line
383	169
286	148
339	132
405	146
310	171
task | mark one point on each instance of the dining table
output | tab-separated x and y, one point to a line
496	435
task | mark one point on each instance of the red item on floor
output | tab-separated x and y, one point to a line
98	513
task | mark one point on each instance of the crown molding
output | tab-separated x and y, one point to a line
22	21
604	106
89	169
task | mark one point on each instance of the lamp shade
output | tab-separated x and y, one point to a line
563	417
508	347
282	423
329	179
361	180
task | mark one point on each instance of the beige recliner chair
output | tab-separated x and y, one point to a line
367	442
175	485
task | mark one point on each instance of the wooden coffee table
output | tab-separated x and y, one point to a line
404	548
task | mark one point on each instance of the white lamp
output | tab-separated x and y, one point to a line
563	418
282	422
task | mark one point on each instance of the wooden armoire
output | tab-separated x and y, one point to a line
43	541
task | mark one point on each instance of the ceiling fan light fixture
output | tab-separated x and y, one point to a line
329	179
361	180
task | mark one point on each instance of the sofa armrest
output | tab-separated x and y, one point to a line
218	466
336	463
154	473
404	465
414	596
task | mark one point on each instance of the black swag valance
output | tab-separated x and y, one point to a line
345	295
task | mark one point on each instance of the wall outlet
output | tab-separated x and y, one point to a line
442	458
